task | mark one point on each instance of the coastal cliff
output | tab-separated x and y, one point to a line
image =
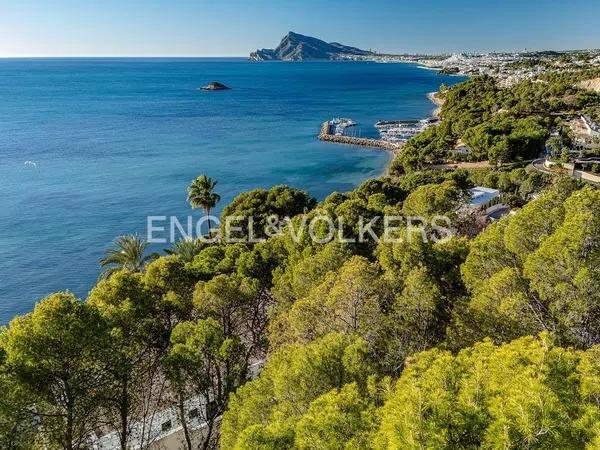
297	47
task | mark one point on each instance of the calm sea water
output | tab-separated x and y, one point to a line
116	140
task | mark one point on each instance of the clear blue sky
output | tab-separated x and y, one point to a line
235	27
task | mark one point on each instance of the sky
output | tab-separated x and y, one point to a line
236	27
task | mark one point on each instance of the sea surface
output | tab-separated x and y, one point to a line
90	147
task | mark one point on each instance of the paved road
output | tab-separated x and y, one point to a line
538	165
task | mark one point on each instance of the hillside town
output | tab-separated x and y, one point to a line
509	68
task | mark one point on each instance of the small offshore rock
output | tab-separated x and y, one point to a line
214	86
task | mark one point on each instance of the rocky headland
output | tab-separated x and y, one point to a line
297	47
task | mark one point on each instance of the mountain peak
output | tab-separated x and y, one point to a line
297	47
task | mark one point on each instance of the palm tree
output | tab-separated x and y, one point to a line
128	253
201	195
186	249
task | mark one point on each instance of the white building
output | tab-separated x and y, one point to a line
461	148
483	198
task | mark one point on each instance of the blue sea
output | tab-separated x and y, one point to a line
90	147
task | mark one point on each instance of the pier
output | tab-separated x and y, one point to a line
326	135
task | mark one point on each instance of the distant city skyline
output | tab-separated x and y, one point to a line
236	27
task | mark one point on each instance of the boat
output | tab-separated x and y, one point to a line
340	124
402	130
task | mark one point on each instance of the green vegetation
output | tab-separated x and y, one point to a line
529	393
526	394
186	249
504	139
54	359
501	125
344	325
531	274
261	204
265	413
202	314
128	253
201	195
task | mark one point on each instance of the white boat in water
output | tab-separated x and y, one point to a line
340	124
402	130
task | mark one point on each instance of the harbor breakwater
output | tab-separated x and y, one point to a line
326	135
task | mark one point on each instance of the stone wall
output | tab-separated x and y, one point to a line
572	172
326	135
586	176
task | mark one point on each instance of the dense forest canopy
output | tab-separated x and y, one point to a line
346	365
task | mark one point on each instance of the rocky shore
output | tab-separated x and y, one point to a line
437	101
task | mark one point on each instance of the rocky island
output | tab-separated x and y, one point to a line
215	86
297	47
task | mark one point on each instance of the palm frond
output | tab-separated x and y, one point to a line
186	249
127	253
201	195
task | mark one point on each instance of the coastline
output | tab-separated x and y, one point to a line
438	102
432	96
392	149
171	145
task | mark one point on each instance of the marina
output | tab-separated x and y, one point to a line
400	131
392	133
327	134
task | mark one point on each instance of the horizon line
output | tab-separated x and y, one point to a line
119	56
471	52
